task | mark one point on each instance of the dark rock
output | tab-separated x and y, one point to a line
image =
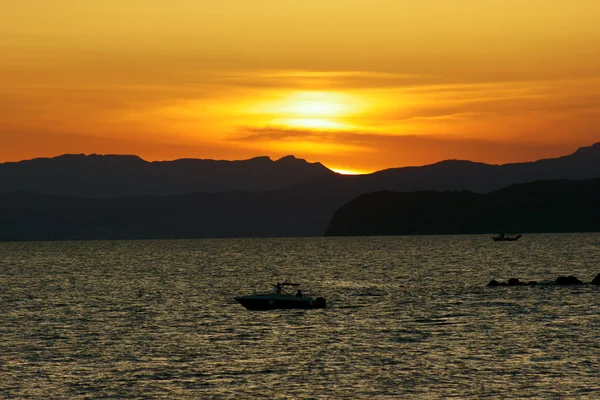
493	283
532	283
568	280
320	302
596	280
514	282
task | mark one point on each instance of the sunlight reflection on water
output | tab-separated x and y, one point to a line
409	317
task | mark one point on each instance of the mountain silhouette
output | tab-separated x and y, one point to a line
543	206
304	207
110	176
28	216
467	175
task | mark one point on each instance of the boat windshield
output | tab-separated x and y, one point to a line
279	288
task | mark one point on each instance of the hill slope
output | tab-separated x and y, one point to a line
550	206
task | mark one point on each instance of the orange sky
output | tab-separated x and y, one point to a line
358	85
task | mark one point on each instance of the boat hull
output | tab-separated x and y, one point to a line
506	238
265	303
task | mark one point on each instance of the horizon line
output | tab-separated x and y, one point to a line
338	170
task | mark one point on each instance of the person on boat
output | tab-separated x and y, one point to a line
299	293
278	288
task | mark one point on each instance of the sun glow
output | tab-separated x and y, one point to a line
344	171
313	105
310	123
312	110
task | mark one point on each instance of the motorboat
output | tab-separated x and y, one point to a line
279	298
501	237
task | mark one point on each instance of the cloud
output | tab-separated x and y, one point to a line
249	134
325	80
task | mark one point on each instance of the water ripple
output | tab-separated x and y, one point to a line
408	317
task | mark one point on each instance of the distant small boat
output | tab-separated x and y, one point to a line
279	299
501	237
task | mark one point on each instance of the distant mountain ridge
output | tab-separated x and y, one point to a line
467	175
304	207
112	176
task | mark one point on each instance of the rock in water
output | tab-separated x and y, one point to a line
568	280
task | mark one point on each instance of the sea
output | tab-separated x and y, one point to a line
408	317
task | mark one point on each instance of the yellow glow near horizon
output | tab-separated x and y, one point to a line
308	147
345	171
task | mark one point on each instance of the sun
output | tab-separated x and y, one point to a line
313	104
311	110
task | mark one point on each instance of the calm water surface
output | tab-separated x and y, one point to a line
408	317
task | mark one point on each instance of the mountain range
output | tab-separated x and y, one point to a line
111	176
110	197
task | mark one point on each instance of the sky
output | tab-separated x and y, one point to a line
357	85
